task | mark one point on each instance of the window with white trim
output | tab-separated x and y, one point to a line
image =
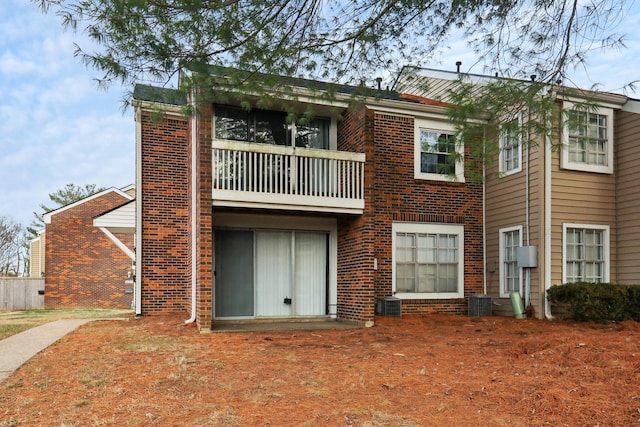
588	138
511	146
438	155
510	273
428	260
585	253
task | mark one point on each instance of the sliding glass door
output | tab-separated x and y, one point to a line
282	273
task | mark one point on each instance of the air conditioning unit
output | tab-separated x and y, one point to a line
389	306
480	305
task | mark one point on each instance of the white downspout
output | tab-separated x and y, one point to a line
484	213
547	222
138	234
194	209
527	284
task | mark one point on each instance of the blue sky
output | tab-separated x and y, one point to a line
57	127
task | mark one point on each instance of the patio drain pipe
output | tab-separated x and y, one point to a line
194	210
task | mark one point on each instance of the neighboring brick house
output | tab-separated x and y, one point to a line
83	268
242	215
575	211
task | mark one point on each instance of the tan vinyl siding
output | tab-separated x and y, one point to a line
583	198
506	207
36	256
628	197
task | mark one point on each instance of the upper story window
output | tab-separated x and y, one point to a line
428	260
270	127
438	155
588	139
511	146
585	253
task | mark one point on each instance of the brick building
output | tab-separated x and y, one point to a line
83	268
244	215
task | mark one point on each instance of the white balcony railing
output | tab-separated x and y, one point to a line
286	177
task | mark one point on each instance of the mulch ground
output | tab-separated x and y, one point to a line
434	370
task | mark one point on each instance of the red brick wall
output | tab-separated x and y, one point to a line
356	234
400	197
83	268
165	264
205	256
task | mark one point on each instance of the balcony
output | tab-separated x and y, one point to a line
279	177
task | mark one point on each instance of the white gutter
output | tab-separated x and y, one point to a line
194	209
118	243
138	236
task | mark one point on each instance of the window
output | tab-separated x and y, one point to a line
438	156
588	139
511	146
269	127
428	261
510	273
586	253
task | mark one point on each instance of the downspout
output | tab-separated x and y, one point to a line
194	209
138	233
547	219
527	224
484	211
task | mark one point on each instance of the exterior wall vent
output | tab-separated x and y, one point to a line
479	305
389	306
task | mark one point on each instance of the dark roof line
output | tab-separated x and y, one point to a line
143	92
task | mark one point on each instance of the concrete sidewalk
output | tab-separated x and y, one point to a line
19	348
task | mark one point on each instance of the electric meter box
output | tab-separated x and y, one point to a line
527	256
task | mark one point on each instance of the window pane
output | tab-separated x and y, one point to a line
231	123
428	163
426	278
271	128
405	278
314	134
593	272
448	278
405	247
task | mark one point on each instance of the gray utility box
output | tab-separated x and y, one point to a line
527	256
480	305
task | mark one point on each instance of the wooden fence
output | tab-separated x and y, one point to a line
18	293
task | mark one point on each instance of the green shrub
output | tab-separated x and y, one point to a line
598	302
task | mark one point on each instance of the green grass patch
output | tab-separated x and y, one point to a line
13	328
13	322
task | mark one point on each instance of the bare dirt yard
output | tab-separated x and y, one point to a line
435	370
